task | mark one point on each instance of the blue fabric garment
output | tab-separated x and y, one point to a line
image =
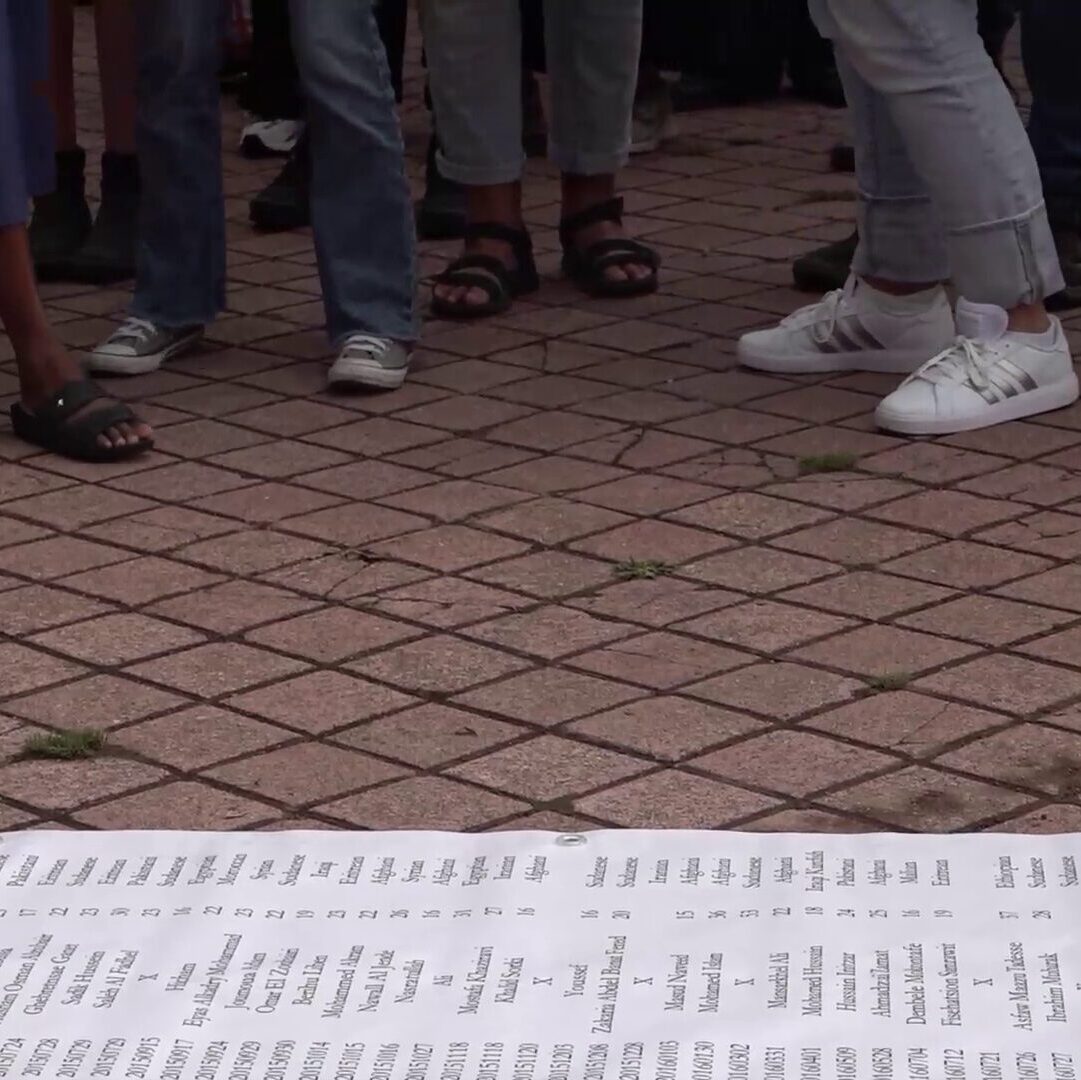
26	120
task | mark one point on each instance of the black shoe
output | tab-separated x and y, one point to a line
1069	253
822	85
108	255
843	158
61	220
285	203
440	211
827	268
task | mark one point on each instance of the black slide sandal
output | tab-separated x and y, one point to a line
586	267
58	426
502	283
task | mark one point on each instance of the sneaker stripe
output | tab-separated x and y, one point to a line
862	334
1022	377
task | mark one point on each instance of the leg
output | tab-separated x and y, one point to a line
44	365
593	53
475	68
1049	29
62	74
61	221
109	252
181	260
272	89
393	19
114	22
360	200
965	140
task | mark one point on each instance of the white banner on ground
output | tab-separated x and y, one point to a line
530	956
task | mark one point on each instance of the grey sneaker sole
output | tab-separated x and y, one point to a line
106	363
349	374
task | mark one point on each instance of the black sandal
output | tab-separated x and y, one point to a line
586	267
57	426
500	282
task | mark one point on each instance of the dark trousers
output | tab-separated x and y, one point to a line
1050	32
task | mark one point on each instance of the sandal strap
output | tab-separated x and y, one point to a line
619	251
73	397
484	272
611	210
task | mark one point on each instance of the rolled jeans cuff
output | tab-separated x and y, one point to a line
473	175
587	163
900	240
1007	262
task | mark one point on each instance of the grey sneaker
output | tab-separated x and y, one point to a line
138	346
369	362
653	122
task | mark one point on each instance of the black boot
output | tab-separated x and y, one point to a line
441	209
826	268
61	220
108	255
285	203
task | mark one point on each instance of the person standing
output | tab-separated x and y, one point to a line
360	201
949	187
1050	30
475	68
58	408
67	242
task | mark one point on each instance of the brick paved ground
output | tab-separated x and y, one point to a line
410	610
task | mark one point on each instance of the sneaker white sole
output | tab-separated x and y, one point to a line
1044	399
358	375
99	363
886	361
669	130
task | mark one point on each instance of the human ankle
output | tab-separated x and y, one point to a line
1028	319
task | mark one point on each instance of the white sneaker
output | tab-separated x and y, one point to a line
370	363
270	138
988	376
138	347
856	328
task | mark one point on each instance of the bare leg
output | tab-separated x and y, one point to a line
114	22
44	364
62	74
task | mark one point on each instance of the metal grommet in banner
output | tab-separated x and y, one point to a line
570	840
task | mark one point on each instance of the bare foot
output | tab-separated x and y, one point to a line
47	371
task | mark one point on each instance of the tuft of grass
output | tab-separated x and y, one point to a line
893	680
65	745
827	463
642	569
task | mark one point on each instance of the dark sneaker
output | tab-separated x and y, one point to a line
827	268
843	158
1069	253
285	203
440	211
61	220
109	253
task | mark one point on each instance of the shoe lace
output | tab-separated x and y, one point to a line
366	346
965	360
820	318
135	330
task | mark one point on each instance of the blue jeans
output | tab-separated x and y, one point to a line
1051	31
361	209
949	186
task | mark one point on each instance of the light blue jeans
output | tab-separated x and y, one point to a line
475	67
948	181
361	209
